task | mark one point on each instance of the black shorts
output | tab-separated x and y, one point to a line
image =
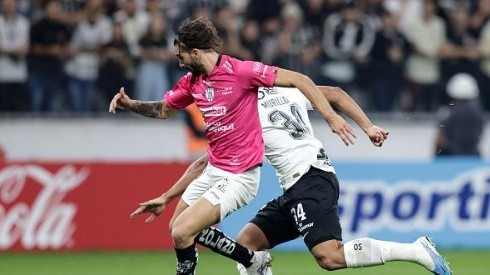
308	209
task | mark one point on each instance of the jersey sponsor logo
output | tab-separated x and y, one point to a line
209	94
264	71
214	111
226	90
208	83
227	66
217	127
257	67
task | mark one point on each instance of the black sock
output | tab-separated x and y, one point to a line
186	260
218	242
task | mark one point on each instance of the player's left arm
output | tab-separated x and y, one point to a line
156	206
342	101
287	78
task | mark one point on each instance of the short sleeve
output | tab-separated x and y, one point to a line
180	96
257	74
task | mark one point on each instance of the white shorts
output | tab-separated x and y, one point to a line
230	191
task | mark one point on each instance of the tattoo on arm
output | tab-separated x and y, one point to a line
147	108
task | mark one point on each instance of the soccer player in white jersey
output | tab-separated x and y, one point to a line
308	206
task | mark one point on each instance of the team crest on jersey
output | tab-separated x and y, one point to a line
209	94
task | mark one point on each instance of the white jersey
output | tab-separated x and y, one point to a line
290	145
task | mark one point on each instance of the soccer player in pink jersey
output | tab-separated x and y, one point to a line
226	91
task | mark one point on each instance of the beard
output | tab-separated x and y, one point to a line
195	68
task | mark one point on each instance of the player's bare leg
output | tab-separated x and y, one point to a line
185	228
181	206
192	221
253	238
329	255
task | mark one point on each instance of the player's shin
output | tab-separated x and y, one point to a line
218	242
186	260
368	252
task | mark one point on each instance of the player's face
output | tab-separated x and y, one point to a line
188	60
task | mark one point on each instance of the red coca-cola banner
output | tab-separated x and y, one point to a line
74	206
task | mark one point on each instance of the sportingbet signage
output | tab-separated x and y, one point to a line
453	206
448	200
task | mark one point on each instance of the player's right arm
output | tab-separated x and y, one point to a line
340	99
156	109
156	206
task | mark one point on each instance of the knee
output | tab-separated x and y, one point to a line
248	242
179	234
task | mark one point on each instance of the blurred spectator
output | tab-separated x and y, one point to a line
197	142
314	14
83	67
332	6
14	44
299	47
29	8
250	40
386	66
347	40
373	9
152	77
115	65
406	11
48	45
423	68
461	127
480	16
73	11
226	25
263	10
198	8
270	39
455	53
134	23
484	53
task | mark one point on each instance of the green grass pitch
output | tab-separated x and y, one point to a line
163	263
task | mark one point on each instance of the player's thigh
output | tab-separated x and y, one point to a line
274	224
232	191
181	206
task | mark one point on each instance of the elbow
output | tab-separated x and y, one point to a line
202	162
334	95
299	79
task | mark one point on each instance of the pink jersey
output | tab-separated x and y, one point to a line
228	101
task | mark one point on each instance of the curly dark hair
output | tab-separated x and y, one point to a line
199	33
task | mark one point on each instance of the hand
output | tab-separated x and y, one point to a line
377	135
154	206
121	100
342	129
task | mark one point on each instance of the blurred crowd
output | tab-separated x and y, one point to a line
390	55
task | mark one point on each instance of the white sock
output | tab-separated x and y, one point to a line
368	252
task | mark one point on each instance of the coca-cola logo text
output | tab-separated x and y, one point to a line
46	222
